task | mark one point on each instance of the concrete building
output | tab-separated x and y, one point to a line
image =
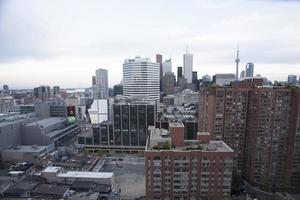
118	89
6	103
158	60
223	79
167	66
249	72
21	153
10	128
56	175
43	92
292	79
141	79
179	73
128	128
169	83
188	66
186	169
56	90
53	131
243	74
261	124
101	86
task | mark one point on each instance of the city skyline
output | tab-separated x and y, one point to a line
43	46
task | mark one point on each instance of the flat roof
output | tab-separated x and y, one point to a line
176	124
52	169
47	121
51	189
26	149
81	174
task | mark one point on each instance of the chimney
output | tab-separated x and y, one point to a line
203	137
177	134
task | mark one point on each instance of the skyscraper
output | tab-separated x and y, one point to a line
56	90
242	75
261	125
42	92
141	79
292	79
159	61
179	72
188	66
249	70
101	87
169	83
167	66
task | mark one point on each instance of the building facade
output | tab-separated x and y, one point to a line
192	169
261	125
101	86
141	78
169	83
249	72
188	66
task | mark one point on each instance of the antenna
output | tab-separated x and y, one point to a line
237	60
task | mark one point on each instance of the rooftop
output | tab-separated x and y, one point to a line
159	136
51	189
47	122
52	169
176	124
81	174
26	149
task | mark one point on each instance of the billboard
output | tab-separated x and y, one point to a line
71	113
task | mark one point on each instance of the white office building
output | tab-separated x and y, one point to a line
188	67
141	79
101	86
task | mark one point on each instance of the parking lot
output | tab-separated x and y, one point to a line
129	174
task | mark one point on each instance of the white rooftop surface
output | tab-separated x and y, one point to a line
47	121
81	174
52	169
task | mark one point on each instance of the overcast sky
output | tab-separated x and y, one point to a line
61	42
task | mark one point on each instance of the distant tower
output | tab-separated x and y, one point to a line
188	66
237	60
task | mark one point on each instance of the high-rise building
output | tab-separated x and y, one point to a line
42	93
93	80
242	75
188	66
169	83
292	79
56	90
118	89
158	60
195	80
101	86
261	125
179	73
249	70
141	79
223	112
186	169
167	66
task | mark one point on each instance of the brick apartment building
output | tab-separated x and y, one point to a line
261	125
186	169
